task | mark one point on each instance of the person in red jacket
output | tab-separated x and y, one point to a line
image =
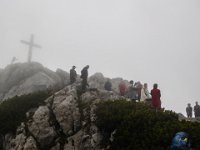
155	93
122	88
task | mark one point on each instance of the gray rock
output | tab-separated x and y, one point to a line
23	78
97	81
18	142
30	144
57	147
40	128
64	76
8	142
66	110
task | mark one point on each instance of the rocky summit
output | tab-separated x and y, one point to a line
64	122
23	78
63	117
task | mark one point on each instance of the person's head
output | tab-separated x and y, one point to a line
87	66
155	86
196	103
145	85
189	104
73	67
131	82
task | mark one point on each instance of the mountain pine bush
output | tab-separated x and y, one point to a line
138	127
13	111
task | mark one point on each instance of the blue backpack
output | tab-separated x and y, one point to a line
180	140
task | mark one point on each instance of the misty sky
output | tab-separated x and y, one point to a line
144	40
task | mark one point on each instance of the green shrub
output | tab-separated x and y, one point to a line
13	111
139	127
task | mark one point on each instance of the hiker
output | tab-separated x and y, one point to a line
132	91
181	141
122	88
155	93
138	86
145	95
189	111
197	110
108	85
84	76
73	75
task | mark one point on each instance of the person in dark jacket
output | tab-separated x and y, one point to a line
197	110
155	93
189	111
108	85
73	75
84	76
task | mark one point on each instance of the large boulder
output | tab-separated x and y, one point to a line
23	78
64	76
97	81
39	126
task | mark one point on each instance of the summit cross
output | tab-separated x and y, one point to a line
31	44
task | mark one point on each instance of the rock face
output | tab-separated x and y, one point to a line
1	70
98	80
65	122
23	78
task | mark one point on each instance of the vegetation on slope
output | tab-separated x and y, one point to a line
13	111
139	127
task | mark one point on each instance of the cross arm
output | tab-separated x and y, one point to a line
28	43
38	46
25	42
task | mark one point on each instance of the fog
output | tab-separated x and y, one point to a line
149	41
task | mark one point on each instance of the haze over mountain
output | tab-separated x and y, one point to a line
141	40
96	119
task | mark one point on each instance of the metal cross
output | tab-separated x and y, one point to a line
31	44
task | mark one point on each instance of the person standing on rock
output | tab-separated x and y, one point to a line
156	94
132	91
108	85
189	111
122	88
197	111
138	86
73	75
145	95
84	76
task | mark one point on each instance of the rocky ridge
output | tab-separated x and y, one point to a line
65	122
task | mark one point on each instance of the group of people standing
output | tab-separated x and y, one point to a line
137	91
84	76
189	110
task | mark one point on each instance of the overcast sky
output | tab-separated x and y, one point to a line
144	40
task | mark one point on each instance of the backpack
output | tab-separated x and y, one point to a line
180	140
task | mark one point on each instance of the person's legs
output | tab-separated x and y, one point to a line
84	85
